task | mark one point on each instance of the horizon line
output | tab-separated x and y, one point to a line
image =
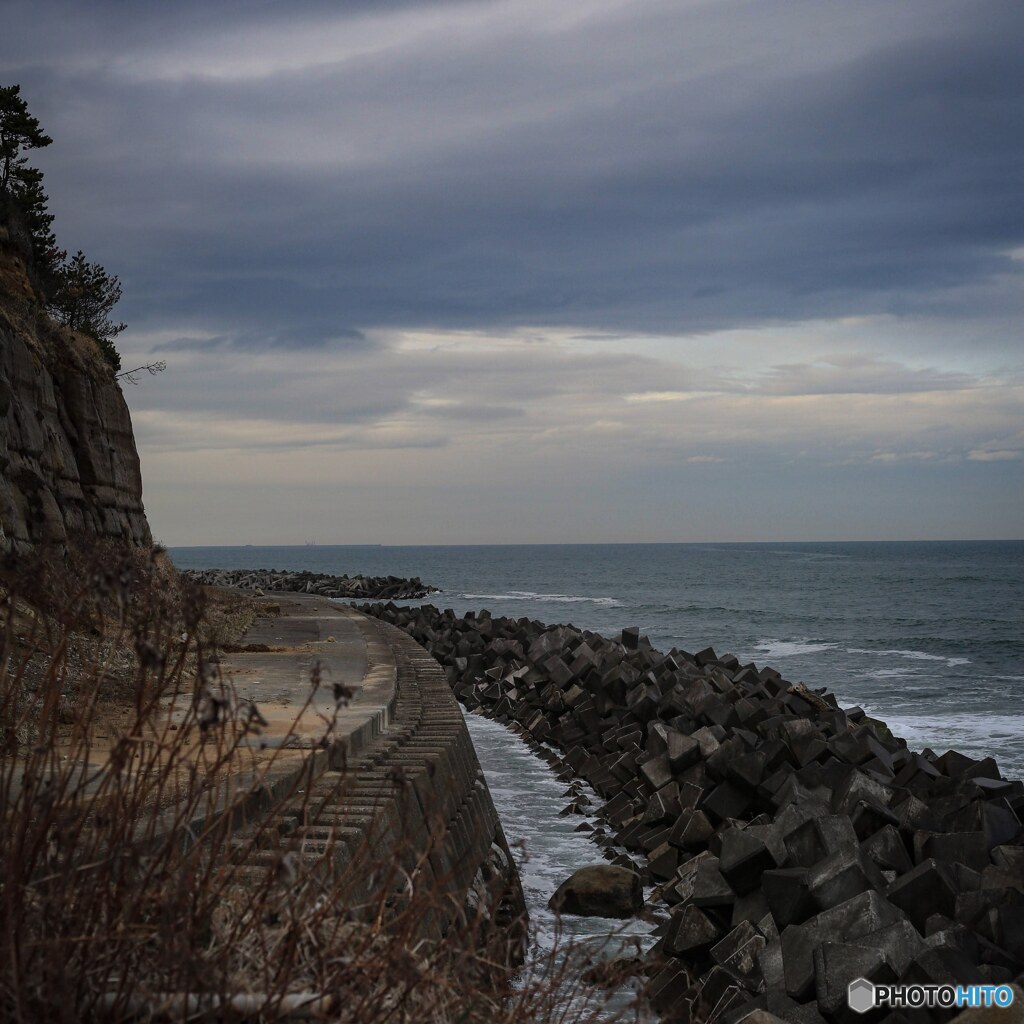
613	543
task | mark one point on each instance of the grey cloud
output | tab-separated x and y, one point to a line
587	178
360	388
860	374
302	335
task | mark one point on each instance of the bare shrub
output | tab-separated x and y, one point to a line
143	874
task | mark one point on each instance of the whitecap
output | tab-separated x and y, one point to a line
912	655
789	648
530	595
975	734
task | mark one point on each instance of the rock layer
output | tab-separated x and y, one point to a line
797	845
69	469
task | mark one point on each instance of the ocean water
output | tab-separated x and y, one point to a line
927	636
548	848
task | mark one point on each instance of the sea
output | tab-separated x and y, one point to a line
928	637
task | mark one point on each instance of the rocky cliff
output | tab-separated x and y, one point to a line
69	469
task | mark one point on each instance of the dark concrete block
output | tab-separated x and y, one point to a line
686	875
706	657
900	942
747	770
941	966
752	907
954	764
710	889
818	837
663	861
682	751
867	912
789	901
769	960
837	964
743	859
868	816
709	739
970	848
970	906
789	1010
767	831
1009	858
841	876
915	815
860	785
737	953
888	851
1010	931
667	989
691	831
798	945
926	890
656	771
726	801
690	931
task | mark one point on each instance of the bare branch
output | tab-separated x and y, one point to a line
151	368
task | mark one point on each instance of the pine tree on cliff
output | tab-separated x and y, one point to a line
22	185
75	292
18	130
83	299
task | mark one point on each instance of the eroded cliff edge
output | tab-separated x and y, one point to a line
69	468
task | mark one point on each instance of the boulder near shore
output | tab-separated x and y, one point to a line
600	890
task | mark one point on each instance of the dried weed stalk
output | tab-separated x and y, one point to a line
128	892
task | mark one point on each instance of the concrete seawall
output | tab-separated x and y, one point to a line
393	796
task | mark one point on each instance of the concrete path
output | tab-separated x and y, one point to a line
311	641
317	652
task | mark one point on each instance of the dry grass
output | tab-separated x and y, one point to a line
125	891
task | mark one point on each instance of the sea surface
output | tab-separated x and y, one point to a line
927	636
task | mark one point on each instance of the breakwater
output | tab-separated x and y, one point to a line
393	588
798	845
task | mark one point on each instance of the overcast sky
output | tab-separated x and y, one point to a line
516	270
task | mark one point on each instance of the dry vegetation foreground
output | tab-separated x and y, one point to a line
127	892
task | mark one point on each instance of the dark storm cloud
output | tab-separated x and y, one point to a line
652	167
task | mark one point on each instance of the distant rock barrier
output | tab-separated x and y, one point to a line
392	588
797	845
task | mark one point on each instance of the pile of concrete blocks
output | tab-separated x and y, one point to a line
356	588
797	845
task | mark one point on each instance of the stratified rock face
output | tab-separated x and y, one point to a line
69	469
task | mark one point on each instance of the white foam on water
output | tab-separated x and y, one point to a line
548	849
975	734
789	648
912	655
529	595
907	672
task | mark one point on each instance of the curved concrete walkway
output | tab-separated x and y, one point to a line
316	652
396	775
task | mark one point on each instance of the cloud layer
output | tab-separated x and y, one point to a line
603	244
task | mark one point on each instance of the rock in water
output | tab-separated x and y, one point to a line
600	890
